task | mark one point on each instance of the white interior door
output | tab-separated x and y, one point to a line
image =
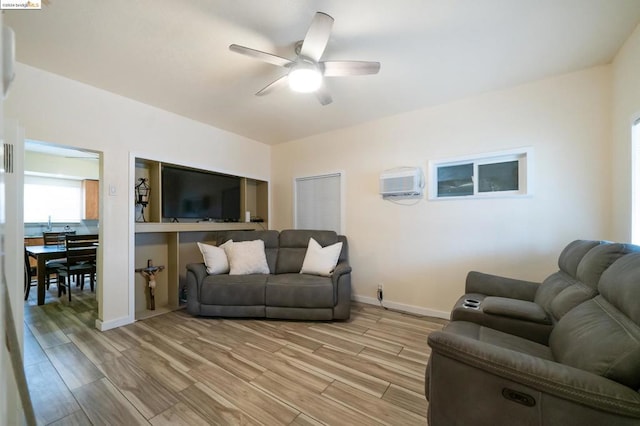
13	268
6	384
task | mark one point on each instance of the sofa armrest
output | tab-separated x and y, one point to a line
196	272
515	308
199	269
550	377
341	279
494	285
341	269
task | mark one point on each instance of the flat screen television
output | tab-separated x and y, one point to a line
195	194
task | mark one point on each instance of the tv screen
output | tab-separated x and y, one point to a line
202	195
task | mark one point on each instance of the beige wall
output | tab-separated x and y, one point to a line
626	107
422	253
62	111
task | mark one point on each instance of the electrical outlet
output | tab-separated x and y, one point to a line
380	294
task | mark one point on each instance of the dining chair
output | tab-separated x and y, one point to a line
81	261
50	239
81	241
29	275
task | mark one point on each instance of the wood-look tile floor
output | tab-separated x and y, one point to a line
175	369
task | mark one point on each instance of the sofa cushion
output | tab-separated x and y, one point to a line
247	257
573	253
620	285
299	291
568	262
551	287
270	239
602	335
596	337
571	297
598	259
320	260
293	247
591	267
215	258
238	290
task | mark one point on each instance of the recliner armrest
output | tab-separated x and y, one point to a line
550	377
494	285
515	308
199	270
341	269
341	280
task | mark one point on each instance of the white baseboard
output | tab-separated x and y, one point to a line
417	310
108	325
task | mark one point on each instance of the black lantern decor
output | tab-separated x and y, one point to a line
142	195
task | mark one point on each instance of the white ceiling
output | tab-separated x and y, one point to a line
174	54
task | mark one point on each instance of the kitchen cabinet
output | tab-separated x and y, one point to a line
91	199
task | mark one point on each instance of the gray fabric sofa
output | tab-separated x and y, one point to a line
530	309
587	374
284	292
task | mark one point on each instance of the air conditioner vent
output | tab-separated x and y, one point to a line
402	182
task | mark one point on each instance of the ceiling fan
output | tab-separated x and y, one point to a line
306	71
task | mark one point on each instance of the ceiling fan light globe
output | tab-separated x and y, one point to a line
305	79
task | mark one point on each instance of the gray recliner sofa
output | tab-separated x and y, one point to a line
284	292
588	374
531	309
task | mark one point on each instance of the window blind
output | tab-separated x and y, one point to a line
59	198
318	204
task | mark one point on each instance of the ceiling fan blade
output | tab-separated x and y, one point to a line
317	36
346	68
263	56
323	95
282	81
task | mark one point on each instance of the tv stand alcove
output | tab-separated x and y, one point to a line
173	243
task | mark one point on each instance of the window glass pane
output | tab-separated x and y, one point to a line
59	198
498	177
499	174
454	181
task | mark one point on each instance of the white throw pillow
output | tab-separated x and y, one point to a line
321	260
215	258
247	257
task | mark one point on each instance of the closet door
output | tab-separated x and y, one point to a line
318	202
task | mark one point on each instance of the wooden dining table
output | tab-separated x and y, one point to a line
42	254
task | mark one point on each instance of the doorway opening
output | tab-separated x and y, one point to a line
61	196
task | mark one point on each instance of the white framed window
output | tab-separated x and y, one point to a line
496	174
318	202
635	183
49	196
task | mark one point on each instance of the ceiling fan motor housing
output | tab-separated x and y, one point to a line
305	76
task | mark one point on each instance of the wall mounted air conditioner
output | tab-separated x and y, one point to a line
405	182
